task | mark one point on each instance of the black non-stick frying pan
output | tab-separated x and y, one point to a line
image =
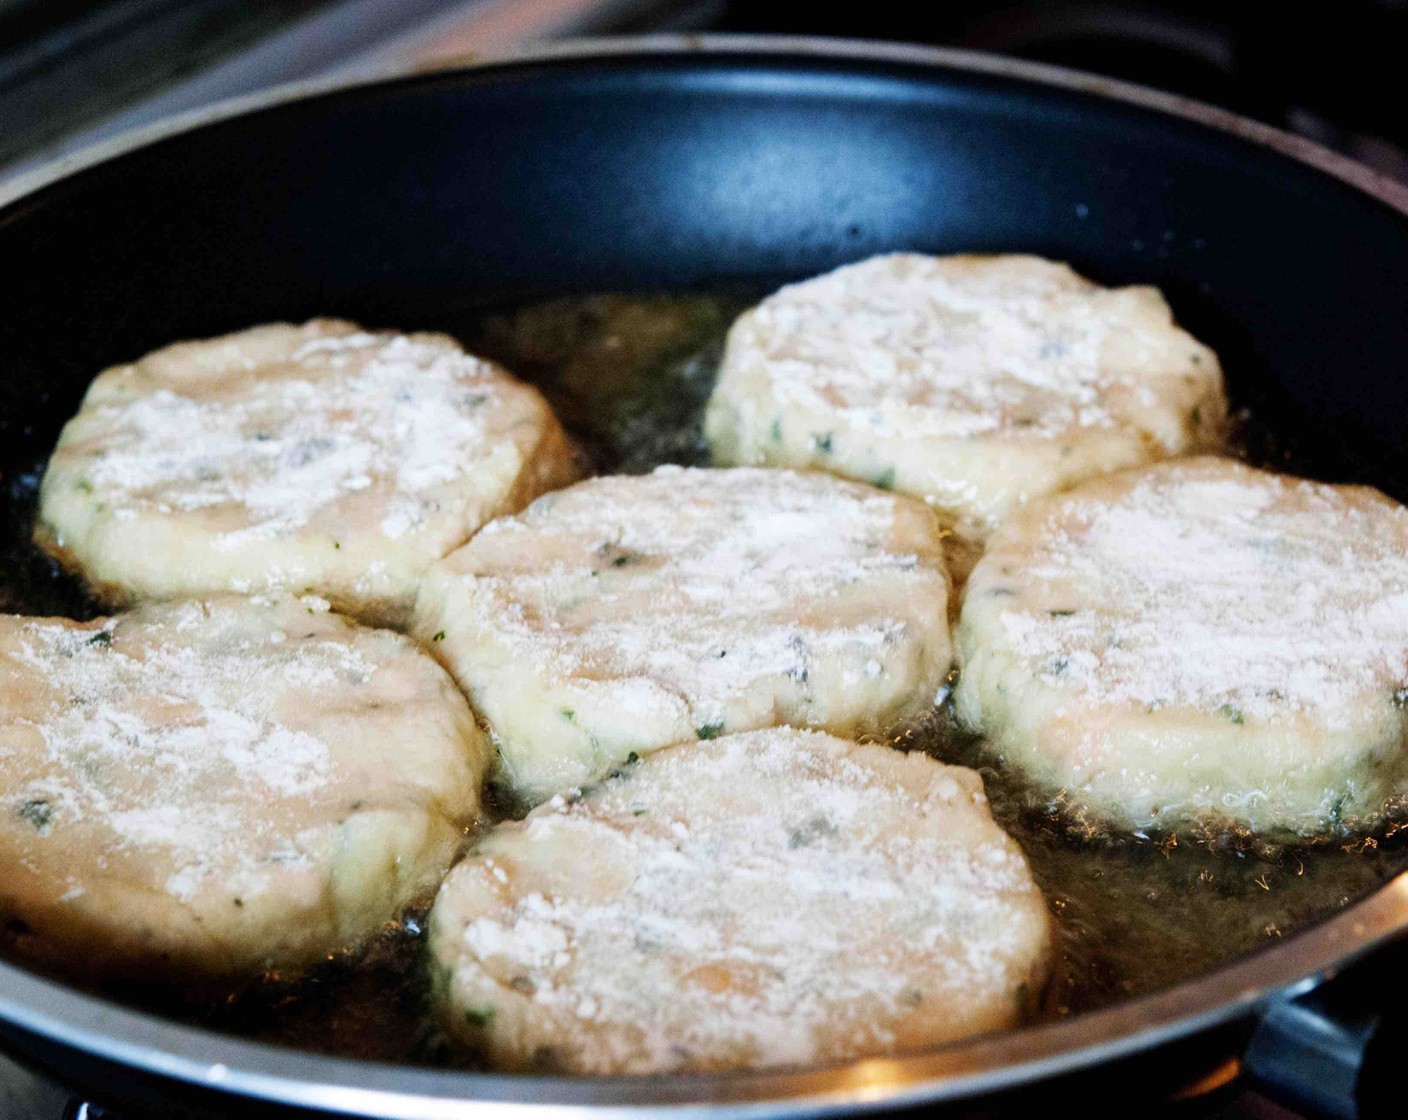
676	164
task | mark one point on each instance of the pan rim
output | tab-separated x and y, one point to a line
1365	179
77	1021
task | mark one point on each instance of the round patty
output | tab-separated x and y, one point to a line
628	613
772	898
319	458
1197	642
222	786
976	383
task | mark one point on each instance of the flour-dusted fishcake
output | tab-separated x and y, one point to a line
628	613
1197	642
222	786
315	458
778	897
974	382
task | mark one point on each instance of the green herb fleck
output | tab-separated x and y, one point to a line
810	832
886	479
617	556
639	812
620	771
37	813
102	639
822	443
1232	713
479	1016
1061	613
1336	813
569	715
709	730
439	636
1400	698
83	486
777	431
337	544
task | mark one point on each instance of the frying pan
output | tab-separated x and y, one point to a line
668	164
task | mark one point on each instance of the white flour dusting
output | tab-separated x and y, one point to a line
711	581
766	899
1209	584
946	347
181	746
345	418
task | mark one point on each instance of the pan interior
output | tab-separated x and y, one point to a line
629	374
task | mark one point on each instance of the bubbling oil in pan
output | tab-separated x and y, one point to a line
629	375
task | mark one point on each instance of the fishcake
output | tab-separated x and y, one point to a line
628	613
772	898
316	458
974	382
219	787
1197	642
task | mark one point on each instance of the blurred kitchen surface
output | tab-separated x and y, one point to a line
73	72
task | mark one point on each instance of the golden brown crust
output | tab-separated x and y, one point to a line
771	898
216	787
1197	644
312	459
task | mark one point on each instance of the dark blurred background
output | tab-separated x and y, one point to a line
74	71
